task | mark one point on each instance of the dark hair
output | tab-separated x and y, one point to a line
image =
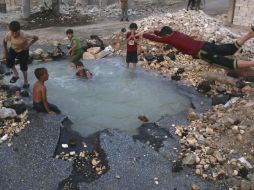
165	30
39	72
69	31
79	64
133	26
14	26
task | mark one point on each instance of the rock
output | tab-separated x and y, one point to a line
102	54
195	187
192	116
167	47
204	86
218	156
172	56
24	93
176	77
177	166
160	58
13	89
220	100
16	104
180	71
149	57
221	90
189	159
2	69
191	140
245	185
243	172
88	56
7	113
94	50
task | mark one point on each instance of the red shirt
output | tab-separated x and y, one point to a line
180	41
132	46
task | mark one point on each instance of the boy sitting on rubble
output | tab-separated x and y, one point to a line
40	102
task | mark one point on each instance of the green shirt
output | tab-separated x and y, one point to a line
78	44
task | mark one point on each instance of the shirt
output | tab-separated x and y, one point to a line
132	46
78	44
180	41
19	43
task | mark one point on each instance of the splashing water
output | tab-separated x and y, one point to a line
114	98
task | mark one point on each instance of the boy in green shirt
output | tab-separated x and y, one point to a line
75	50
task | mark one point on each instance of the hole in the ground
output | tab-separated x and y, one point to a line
114	98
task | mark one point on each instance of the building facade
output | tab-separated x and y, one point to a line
243	12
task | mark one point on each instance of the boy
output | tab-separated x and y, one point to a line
75	50
124	7
20	43
209	52
83	72
40	102
132	46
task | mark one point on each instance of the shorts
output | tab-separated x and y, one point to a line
132	57
39	107
215	54
77	55
22	56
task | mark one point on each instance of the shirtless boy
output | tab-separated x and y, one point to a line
40	102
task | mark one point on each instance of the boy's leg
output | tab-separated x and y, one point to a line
231	49
11	62
76	56
23	56
245	38
54	108
244	64
134	66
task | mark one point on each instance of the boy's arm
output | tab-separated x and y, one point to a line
5	48
44	99
73	46
31	42
153	37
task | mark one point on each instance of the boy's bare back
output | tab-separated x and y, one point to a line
38	91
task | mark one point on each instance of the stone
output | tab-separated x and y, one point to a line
220	100
192	116
7	113
176	77
149	57
177	166
88	56
195	187
24	93
94	50
13	89
245	185
221	90
102	54
189	159
16	104
191	140
218	156
204	86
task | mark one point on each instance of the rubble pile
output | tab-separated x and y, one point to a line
88	164
219	143
13	113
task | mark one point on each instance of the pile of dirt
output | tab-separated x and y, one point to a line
47	18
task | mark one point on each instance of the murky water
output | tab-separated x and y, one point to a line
113	98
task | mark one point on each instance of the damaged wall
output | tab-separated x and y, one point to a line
244	12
